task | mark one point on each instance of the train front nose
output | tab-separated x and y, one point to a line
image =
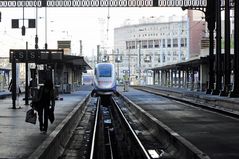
105	84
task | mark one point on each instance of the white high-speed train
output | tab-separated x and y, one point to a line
104	79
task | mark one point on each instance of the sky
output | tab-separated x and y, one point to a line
75	24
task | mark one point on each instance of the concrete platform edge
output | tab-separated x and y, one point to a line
53	146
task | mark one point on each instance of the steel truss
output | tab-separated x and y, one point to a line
103	3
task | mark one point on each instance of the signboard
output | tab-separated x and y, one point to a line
103	3
35	56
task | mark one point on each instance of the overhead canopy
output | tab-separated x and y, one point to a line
47	57
76	61
5	70
187	64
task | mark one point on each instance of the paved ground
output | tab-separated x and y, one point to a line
19	139
212	133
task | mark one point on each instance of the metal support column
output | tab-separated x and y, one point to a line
192	79
162	77
159	79
183	79
235	92
179	78
167	79
171	78
210	18
13	82
199	77
26	85
154	77
227	60
216	91
187	78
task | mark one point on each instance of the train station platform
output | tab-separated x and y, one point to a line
4	94
205	133
221	103
19	139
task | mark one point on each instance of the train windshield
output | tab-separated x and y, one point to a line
105	71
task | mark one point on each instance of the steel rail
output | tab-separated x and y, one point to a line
95	129
132	131
110	145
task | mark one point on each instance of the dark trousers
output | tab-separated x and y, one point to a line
43	110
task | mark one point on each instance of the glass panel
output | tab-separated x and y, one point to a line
105	71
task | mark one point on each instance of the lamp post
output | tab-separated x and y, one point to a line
118	60
80	42
129	65
139	59
26	86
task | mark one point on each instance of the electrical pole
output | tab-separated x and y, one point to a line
139	62
129	65
26	85
98	53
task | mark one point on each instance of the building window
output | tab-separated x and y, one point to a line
127	44
184	42
144	44
169	43
133	45
164	58
156	43
151	44
175	42
138	44
163	43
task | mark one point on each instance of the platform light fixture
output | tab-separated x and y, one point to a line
31	24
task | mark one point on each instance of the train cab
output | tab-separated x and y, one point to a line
104	79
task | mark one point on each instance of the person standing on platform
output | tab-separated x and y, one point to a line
46	104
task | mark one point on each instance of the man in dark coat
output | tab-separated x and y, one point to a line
46	104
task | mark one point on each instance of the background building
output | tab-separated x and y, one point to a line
156	41
5	68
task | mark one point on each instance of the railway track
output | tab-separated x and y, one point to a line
144	125
115	133
107	130
117	127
